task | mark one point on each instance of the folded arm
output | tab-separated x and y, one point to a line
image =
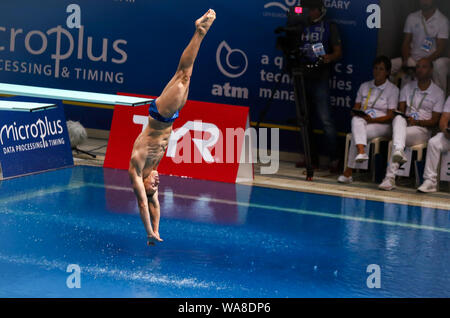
379	120
383	119
430	123
441	45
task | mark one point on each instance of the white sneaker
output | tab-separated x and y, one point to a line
361	157
388	184
344	179
399	157
428	186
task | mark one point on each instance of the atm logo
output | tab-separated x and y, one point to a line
232	63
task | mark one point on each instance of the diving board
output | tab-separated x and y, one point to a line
79	96
24	106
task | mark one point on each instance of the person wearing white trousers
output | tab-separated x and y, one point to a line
377	99
437	145
421	104
426	35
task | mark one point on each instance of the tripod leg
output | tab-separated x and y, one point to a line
263	113
303	118
85	152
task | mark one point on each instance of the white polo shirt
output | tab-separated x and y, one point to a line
421	104
447	106
436	26
381	98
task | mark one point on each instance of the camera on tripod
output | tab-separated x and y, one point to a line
290	43
302	59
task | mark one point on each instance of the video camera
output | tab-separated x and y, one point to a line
290	43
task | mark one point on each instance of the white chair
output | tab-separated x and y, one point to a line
444	168
374	148
405	169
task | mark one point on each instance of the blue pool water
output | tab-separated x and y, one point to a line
220	240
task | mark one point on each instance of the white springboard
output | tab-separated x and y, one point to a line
79	96
24	106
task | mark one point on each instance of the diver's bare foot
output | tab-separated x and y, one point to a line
204	23
152	239
159	238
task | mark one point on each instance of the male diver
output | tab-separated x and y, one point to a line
151	144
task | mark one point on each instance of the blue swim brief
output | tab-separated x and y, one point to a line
156	115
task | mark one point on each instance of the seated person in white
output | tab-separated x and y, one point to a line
421	102
425	36
378	99
438	144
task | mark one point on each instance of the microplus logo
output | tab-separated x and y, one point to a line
36	42
39	129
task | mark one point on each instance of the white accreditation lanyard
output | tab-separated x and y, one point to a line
322	31
425	26
427	44
366	104
414	109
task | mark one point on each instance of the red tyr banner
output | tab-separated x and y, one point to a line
207	141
